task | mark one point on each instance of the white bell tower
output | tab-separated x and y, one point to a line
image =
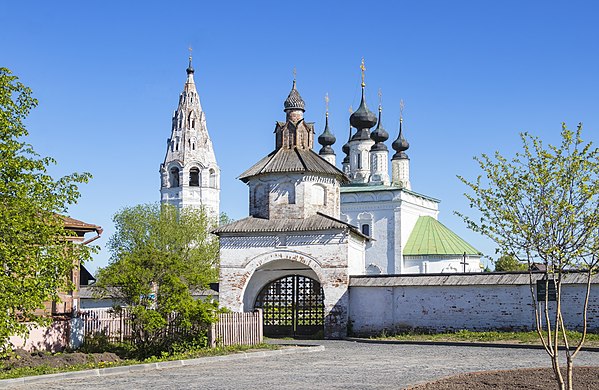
190	175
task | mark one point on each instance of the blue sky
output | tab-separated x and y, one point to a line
473	74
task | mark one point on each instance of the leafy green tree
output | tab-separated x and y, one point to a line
542	207
509	263
35	258
159	255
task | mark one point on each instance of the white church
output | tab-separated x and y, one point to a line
311	225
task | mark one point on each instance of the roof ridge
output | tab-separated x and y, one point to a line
299	155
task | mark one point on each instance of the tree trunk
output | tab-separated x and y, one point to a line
570	368
558	373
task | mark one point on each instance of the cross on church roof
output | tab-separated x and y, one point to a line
363	68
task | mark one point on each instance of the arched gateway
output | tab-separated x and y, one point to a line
293	306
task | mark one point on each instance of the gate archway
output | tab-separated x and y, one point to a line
292	306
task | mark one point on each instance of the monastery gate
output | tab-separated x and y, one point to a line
293	306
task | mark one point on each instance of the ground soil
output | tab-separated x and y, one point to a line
585	378
33	359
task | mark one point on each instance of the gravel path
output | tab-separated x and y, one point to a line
342	365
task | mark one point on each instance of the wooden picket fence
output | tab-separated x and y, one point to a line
114	325
237	329
230	329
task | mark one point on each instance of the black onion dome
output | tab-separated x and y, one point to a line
326	138
400	145
362	118
379	135
294	101
189	68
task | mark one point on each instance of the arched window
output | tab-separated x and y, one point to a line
174	177
366	229
365	223
319	195
212	181
194	177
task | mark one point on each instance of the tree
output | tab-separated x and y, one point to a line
159	255
509	263
35	258
542	206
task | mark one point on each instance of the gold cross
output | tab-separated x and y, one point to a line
326	101
363	68
190	50
294	73
380	93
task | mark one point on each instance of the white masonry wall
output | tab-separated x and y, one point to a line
391	214
390	309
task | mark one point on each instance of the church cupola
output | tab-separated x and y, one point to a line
400	145
293	182
190	67
400	162
362	119
379	166
294	132
190	174
294	101
327	139
379	135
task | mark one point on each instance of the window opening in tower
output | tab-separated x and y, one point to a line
174	179
194	177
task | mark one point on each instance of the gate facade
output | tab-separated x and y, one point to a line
293	306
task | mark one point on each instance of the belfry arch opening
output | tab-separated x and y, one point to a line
194	177
174	177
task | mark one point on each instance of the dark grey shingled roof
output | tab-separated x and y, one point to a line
261	225
293	160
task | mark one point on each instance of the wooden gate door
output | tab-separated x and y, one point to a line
293	306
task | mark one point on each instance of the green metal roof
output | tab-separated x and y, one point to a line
431	237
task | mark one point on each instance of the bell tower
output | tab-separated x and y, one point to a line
189	174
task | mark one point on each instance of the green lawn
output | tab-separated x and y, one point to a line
592	339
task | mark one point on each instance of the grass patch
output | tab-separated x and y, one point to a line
8	372
592	339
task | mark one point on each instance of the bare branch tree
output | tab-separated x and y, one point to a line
542	207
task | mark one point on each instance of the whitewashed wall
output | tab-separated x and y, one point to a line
444	303
391	214
248	263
